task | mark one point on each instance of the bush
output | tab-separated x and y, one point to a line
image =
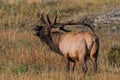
113	56
20	69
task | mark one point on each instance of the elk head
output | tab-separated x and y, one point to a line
48	27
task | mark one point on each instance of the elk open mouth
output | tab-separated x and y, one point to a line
37	30
36	33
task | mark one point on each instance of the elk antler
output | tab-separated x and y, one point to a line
81	22
88	25
48	22
55	19
48	19
42	19
67	23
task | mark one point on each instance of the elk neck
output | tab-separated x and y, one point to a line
53	40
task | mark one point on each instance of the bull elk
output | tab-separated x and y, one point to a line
74	46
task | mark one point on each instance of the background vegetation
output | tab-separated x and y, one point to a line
24	57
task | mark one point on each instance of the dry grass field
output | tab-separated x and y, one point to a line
24	57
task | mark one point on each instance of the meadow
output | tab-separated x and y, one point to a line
24	57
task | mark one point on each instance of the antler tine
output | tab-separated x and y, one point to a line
88	25
68	23
48	19
55	19
42	18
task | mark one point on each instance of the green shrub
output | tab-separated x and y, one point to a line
20	69
113	56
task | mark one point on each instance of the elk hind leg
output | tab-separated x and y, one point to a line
94	55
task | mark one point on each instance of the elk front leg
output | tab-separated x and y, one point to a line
67	64
82	60
73	63
84	67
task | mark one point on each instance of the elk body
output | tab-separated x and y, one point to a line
74	46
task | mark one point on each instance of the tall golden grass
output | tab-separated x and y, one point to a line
24	57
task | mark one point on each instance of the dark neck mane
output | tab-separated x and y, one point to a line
53	41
